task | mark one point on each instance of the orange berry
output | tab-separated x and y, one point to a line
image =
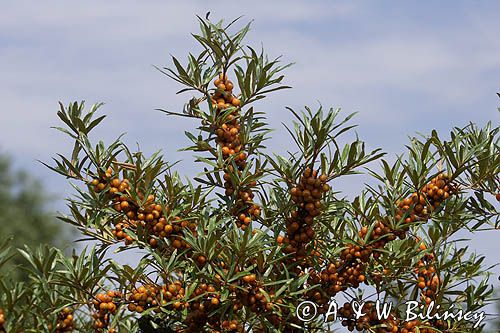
177	244
201	260
236	102
280	239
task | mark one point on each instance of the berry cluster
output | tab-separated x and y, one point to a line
418	206
251	293
64	321
347	271
175	230
231	326
251	296
100	183
149	213
2	321
200	318
197	319
369	321
417	326
105	305
228	137
306	195
120	230
205	300
152	296
334	278
428	279
206	297
381	234
223	96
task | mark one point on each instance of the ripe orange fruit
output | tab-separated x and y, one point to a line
201	260
235	102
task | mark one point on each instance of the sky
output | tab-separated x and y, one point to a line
405	67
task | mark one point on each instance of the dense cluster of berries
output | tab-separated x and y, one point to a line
428	279
369	321
205	299
306	195
197	319
258	298
105	305
418	206
99	184
245	292
347	271
2	321
231	326
249	294
64	321
228	137
174	230
334	278
381	234
149	213
120	230
416	326
149	296
223	96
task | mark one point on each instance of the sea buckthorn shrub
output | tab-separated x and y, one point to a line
242	244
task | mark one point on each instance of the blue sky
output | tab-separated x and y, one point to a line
405	67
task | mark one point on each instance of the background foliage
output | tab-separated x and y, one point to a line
24	215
